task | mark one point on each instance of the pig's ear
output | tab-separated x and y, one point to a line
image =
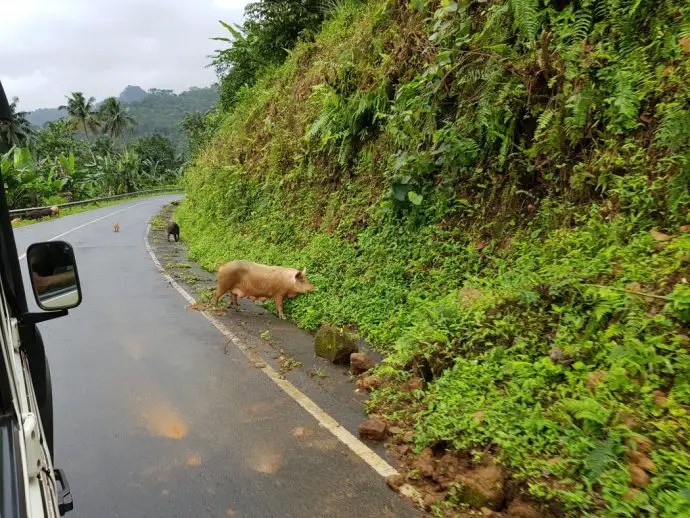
299	274
304	272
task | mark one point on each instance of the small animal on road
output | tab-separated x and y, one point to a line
173	229
116	227
259	281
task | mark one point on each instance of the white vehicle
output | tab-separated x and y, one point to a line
30	487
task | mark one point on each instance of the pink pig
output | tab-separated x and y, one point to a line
259	281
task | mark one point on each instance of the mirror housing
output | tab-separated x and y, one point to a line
54	276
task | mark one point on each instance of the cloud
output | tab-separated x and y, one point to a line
50	48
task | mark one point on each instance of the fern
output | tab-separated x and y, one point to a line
583	22
587	409
674	129
599	459
602	10
526	17
543	122
578	105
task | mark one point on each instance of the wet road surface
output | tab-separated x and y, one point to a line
153	419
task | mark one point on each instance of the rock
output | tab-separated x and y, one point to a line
334	345
642	444
394	430
373	429
412	384
684	229
482	487
659	246
360	362
431	499
369	382
412	494
684	44
633	286
425	463
479	416
594	378
556	354
628	419
660	398
259	365
468	296
408	437
659	236
395	481
520	509
631	494
637	475
642	461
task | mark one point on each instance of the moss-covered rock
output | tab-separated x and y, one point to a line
334	345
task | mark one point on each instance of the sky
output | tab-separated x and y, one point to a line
50	48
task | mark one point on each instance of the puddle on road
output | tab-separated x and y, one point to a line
300	432
326	444
265	459
133	348
262	411
161	419
194	460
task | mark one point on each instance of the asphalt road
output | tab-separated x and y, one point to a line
153	419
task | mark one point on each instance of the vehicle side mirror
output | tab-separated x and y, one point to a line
54	277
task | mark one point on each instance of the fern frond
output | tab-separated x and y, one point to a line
583	22
599	459
543	122
674	128
578	106
526	17
601	9
587	408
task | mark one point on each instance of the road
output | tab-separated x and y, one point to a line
152	419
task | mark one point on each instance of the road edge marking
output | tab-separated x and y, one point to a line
322	417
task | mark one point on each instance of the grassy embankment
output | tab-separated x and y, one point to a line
496	195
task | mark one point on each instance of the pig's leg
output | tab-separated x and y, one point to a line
218	295
279	305
234	302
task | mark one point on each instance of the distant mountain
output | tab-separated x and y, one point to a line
156	111
132	94
42	115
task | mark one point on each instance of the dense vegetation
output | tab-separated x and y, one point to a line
53	165
496	195
154	112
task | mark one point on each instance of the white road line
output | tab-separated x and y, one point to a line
326	421
88	223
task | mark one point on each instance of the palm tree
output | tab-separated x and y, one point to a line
17	130
115	117
81	112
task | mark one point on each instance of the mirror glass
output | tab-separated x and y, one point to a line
54	278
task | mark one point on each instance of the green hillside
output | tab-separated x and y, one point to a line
496	195
155	112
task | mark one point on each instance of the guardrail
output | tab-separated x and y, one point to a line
22	212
